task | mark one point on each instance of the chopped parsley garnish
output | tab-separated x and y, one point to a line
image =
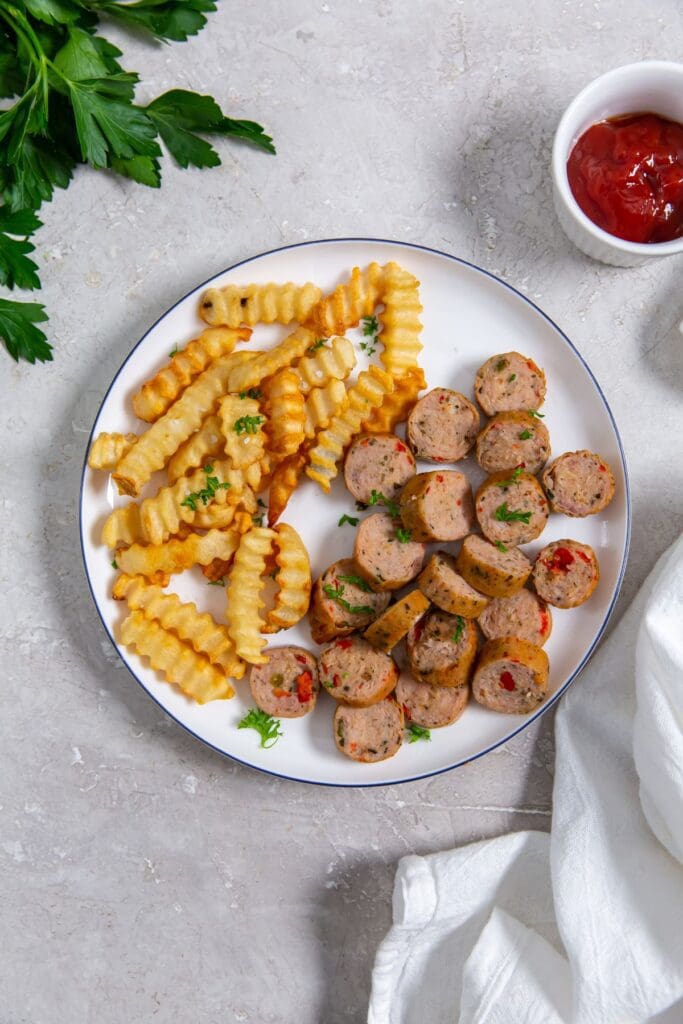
252	393
357	581
377	498
353	609
513	376
403	536
173	352
501	546
247	424
501	364
538	415
417	732
114	564
370	330
207	493
257	519
459	629
217	583
505	515
514	476
525	435
261	503
265	725
351	520
361	506
316	345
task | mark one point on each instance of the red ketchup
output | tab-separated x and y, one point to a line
626	174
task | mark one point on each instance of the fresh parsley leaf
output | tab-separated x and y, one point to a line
114	564
54	11
15	266
357	581
261	503
251	393
164	19
354	609
505	515
107	123
501	364
206	494
370	325
247	424
23	340
377	498
403	536
265	725
417	732
538	415
501	546
459	629
513	478
257	519
143	169
316	345
351	520
173	352
513	376
217	583
525	435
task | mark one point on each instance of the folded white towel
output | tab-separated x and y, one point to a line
584	926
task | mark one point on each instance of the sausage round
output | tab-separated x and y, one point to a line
509	381
353	671
496	572
579	484
287	685
431	706
438	506
523	615
328	617
382	559
511	676
442	648
377	462
442	426
369	734
386	631
447	589
511	508
566	573
513	439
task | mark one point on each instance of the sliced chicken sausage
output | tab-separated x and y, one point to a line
378	462
343	602
524	615
513	439
287	685
442	426
442	648
497	571
511	676
353	671
384	556
386	631
369	734
447	589
511	508
509	381
566	573
431	706
438	506
579	484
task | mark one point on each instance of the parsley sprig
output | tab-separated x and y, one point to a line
251	393
371	329
459	629
357	581
207	493
403	536
316	345
417	732
377	498
536	413
265	725
247	424
503	514
351	520
512	479
72	102
336	593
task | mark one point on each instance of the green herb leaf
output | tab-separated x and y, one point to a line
257	519
357	581
351	520
354	609
417	732
173	352
538	415
251	393
217	583
513	478
370	325
316	345
501	546
403	536
23	340
513	376
505	515
207	493
247	424
114	564
265	725
377	498
525	435
16	269
501	364
459	629
174	20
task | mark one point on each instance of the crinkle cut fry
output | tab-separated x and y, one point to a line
322	404
331	361
180	664
244	599
242	428
206	443
123	527
348	303
284	481
293	580
285	410
258	303
157	395
400	319
178	555
368	393
162	515
396	406
107	449
191	626
249	375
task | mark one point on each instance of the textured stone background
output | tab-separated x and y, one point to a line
143	877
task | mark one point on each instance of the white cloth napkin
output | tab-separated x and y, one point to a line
585	925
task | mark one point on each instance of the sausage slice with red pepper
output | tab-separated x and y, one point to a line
378	462
511	508
437	506
513	439
287	685
509	381
369	734
524	615
566	573
579	484
343	602
431	706
353	671
511	676
442	426
385	554
442	648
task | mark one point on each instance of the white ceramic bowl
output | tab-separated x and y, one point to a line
652	86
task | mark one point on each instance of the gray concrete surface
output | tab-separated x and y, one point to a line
143	878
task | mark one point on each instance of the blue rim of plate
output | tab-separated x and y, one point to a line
555	697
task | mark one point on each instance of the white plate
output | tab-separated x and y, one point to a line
468	316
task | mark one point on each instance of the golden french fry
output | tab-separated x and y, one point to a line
180	664
244	600
217	570
368	393
293	580
123	527
253	303
249	375
161	516
401	324
107	449
177	555
331	361
348	303
242	428
396	406
211	517
283	484
196	628
322	404
285	413
157	395
153	448
205	444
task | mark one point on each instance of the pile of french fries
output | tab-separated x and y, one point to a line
227	424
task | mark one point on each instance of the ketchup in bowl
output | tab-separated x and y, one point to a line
626	174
